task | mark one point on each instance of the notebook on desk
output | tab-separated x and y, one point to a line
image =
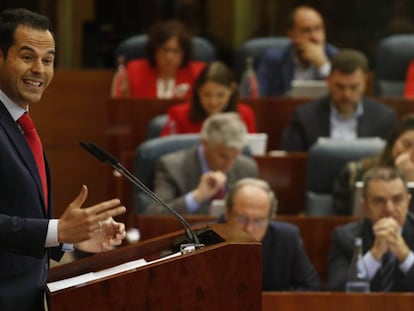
308	88
357	208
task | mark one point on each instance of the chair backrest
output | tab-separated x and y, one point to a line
325	159
393	55
255	48
135	47
156	125
146	156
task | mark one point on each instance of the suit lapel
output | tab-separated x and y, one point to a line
18	141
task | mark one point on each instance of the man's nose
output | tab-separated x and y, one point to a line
38	66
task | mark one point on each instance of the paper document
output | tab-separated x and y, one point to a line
92	276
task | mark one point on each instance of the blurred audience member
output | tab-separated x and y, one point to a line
344	114
398	152
189	180
387	233
169	71
306	58
215	91
250	206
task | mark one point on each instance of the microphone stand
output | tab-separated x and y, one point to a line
105	157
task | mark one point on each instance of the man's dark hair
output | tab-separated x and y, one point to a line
383	174
12	18
348	60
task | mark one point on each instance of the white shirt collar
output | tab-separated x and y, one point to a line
15	110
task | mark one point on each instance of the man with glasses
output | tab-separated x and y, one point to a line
387	233
344	114
250	205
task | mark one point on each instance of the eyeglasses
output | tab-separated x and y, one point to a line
256	222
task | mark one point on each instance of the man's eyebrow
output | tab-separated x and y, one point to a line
29	48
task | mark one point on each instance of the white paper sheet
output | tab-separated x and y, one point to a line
92	276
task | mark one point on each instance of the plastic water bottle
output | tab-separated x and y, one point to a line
120	82
249	87
357	281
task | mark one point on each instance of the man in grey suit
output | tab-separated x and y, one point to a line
387	233
189	180
344	114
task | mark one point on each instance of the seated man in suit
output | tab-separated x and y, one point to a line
189	180
344	114
250	205
307	58
387	233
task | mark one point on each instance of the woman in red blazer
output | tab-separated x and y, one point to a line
215	91
168	72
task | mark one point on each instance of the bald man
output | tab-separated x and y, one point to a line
250	206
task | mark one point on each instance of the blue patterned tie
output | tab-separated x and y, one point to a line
386	272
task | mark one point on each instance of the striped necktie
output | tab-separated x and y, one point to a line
386	272
35	144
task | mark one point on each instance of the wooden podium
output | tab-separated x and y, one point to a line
224	275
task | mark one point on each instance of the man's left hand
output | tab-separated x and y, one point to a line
109	234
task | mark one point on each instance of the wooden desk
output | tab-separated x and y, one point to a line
129	118
328	301
316	232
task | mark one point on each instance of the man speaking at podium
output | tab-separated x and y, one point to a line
28	237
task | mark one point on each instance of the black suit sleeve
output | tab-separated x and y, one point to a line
304	275
293	137
23	236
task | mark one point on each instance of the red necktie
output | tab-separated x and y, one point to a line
35	144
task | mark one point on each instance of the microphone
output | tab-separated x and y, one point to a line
107	158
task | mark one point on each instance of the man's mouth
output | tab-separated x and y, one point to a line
33	83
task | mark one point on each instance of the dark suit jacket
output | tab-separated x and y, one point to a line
179	172
276	69
312	120
285	263
342	248
24	260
